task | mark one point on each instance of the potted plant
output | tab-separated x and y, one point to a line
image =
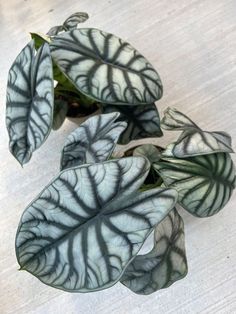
84	231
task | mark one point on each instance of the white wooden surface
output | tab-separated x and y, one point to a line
192	43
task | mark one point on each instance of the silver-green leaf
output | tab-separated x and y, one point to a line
106	68
30	97
193	141
94	141
176	120
143	121
204	183
72	21
86	226
164	264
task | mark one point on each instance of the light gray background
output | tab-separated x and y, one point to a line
192	44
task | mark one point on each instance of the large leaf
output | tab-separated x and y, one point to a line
85	227
143	121
94	141
70	23
106	68
29	109
205	183
193	141
164	264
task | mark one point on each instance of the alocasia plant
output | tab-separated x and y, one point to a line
83	232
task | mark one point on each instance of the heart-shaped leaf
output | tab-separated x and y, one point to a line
176	120
143	121
59	114
205	183
85	227
165	264
70	23
106	68
193	141
29	109
94	141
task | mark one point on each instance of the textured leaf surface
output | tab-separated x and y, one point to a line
165	264
59	115
193	141
94	141
143	121
205	183
176	120
72	21
105	67
29	109
85	227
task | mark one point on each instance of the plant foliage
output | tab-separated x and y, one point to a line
84	231
29	101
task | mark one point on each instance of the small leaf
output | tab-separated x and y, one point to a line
59	115
165	264
151	152
205	183
86	226
176	120
72	21
94	141
29	109
106	68
196	142
193	141
143	121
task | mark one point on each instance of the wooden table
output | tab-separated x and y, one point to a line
192	44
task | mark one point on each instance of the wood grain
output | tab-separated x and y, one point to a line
192	43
